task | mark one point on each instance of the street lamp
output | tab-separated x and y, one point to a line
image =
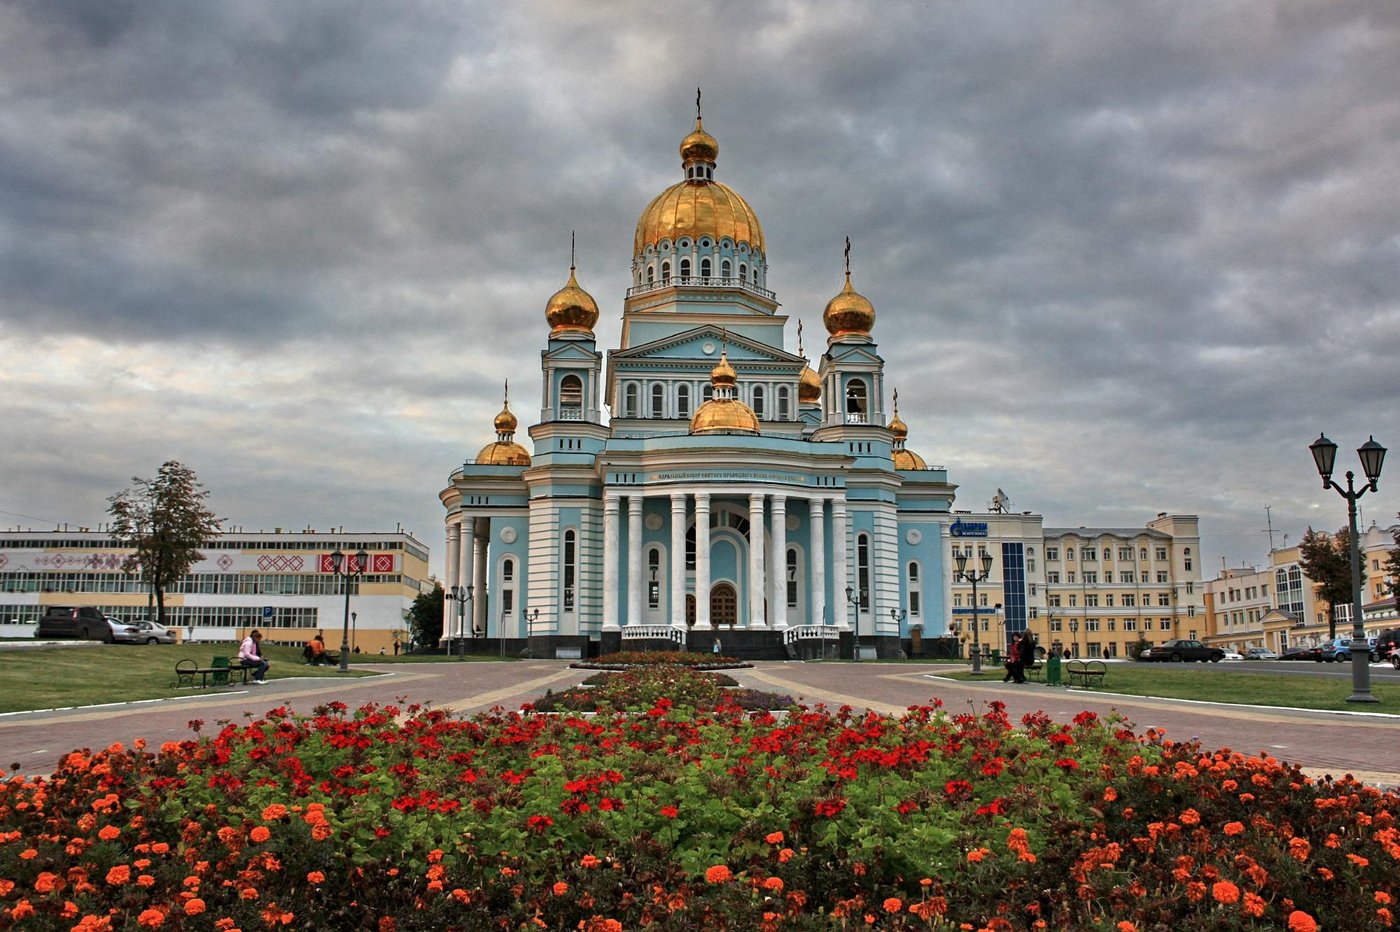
972	576
356	567
851	597
529	619
1371	454
461	597
1074	635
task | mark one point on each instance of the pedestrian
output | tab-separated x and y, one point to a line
1011	657
1024	647
397	647
714	649
250	655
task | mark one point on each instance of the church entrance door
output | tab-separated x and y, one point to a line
724	605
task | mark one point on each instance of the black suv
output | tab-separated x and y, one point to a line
64	621
1388	646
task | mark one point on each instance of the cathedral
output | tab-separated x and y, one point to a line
732	494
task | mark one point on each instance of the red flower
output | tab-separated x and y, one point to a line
670	812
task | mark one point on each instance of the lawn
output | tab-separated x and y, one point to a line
1287	687
49	678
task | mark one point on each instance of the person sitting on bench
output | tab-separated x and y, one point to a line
315	650
249	655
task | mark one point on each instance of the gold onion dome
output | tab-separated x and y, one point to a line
504	451
809	387
571	309
849	313
698	206
723	414
903	459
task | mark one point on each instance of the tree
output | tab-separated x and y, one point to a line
424	616
164	521
1326	560
1392	565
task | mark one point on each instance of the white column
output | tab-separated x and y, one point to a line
465	544
779	587
634	559
611	503
480	577
756	539
449	606
838	561
702	560
816	559
678	560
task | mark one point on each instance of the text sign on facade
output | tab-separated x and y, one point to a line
963	528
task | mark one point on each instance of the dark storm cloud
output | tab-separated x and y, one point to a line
1118	252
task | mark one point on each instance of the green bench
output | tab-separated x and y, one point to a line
220	672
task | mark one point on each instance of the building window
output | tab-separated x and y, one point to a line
570	396
1129	600
743	271
782	403
570	568
863	570
1052	601
683	400
1091	601
792	579
653	583
1091	579
916	591
665	271
724	269
705	267
1053	577
1069	553
1161	553
685	268
1089	553
1052	553
1164	600
1129	624
856	402
508	570
630	400
707	392
758	401
1162	578
658	400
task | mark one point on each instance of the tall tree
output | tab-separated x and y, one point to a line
164	521
424	616
1392	565
1326	560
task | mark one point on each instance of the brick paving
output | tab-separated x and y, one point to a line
1367	746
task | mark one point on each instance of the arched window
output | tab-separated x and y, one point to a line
685	268
724	269
782	403
658	400
570	398
758	401
755	275
792	578
507	588
569	568
743	271
705	267
630	400
916	592
651	274
863	570
665	271
856	403
653	580
683	401
508	569
707	392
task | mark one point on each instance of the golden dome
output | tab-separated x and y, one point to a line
503	453
723	416
849	313
723	373
699	146
571	309
898	427
505	422
809	387
908	459
697	209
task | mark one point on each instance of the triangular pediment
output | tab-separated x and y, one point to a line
847	354
704	344
577	352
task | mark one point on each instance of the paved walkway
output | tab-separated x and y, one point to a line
1364	745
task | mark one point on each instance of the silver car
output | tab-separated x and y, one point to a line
153	632
122	632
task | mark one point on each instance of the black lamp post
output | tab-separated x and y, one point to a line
1074	635
461	596
356	567
899	614
529	619
851	597
1372	455
972	576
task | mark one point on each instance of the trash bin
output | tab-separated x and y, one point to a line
1052	670
996	656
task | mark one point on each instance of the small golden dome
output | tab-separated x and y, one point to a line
724	416
908	459
898	427
723	373
809	387
505	422
849	313
571	309
699	146
503	453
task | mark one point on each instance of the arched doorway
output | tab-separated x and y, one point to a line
724	605
690	609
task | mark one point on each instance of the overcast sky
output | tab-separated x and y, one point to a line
1126	258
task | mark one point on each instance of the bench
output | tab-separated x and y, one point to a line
1035	671
1086	672
222	672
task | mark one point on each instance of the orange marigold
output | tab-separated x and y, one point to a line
717	874
1299	849
260	834
108	832
589	860
1299	921
193	907
119	875
1126	926
1254	905
1225	892
1190	817
151	918
893	904
977	854
785	855
46	882
560	888
774	838
274	812
773	883
315	877
1234	828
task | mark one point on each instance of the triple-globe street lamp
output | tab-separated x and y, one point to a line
1372	455
963	574
354	568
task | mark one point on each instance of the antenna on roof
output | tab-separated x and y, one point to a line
1268	512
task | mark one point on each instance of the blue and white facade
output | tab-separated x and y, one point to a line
731	491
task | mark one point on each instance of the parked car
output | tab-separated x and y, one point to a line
1260	653
1183	650
1388	644
122	632
153	632
1231	655
1307	652
1340	650
65	621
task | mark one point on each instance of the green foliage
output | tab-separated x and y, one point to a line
164	521
424	617
1392	566
1326	561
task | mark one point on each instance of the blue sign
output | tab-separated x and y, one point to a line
267	611
963	528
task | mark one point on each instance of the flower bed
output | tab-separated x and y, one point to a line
681	818
642	688
627	659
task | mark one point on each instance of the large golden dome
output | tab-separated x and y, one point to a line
503	453
908	459
698	206
723	414
571	309
849	313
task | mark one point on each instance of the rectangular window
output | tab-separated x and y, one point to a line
1108	600
1069	576
1053	601
1164	623
1053	578
914	603
1030	564
1161	578
957	600
1112	625
1161	553
1056	624
1129	624
1129	600
1125	553
1091	601
1091	625
1089	553
1091	579
1126	577
1164	599
1069	553
507	602
1052	553
1073	600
